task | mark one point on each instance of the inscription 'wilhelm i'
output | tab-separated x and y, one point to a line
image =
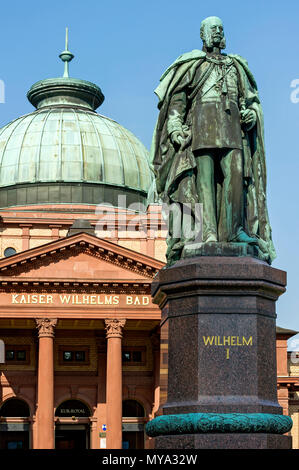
227	341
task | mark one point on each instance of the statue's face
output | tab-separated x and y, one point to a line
211	32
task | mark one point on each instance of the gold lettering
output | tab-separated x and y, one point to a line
233	340
226	340
34	298
129	300
65	299
208	340
137	301
77	300
249	342
93	299
108	299
23	299
238	342
49	299
227	353
145	300
219	342
14	298
99	300
86	299
115	299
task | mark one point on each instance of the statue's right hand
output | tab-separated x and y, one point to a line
177	137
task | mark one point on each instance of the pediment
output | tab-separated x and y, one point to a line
82	258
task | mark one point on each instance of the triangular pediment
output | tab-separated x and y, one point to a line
82	258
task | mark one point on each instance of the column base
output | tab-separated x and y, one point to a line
224	441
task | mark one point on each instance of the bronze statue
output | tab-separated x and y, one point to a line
208	146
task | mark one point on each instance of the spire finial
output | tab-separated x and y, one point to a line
66	56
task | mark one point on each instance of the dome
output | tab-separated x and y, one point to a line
65	152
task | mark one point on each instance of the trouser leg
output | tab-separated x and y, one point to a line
206	190
232	197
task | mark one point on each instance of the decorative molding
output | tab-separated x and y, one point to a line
203	423
84	286
46	327
114	328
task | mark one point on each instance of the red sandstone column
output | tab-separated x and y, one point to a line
45	397
114	383
101	394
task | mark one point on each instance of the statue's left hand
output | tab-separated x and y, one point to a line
248	119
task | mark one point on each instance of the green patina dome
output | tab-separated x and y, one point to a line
64	152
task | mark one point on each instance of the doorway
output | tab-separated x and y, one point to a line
72	436
133	425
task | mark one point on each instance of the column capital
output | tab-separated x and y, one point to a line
114	327
46	327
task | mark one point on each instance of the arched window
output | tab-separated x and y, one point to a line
14	408
131	408
72	408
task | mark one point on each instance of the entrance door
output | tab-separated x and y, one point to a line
133	440
71	438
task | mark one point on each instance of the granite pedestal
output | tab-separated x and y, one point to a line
221	316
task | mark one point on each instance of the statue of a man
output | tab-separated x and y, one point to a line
208	145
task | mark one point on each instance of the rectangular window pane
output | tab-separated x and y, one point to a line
80	356
21	355
137	356
67	355
126	356
10	355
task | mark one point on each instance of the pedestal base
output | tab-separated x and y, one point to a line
220	249
224	441
219	312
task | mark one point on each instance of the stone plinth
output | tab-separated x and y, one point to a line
224	441
222	358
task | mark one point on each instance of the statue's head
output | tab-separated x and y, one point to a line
211	32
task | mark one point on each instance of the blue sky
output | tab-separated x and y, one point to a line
124	46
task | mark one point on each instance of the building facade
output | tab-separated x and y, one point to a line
288	380
79	248
80	244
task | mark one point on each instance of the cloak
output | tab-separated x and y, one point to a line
175	170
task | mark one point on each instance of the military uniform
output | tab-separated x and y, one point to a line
215	129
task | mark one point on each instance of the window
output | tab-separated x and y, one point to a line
133	355
74	355
15	445
14	407
80	356
9	251
77	356
17	354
